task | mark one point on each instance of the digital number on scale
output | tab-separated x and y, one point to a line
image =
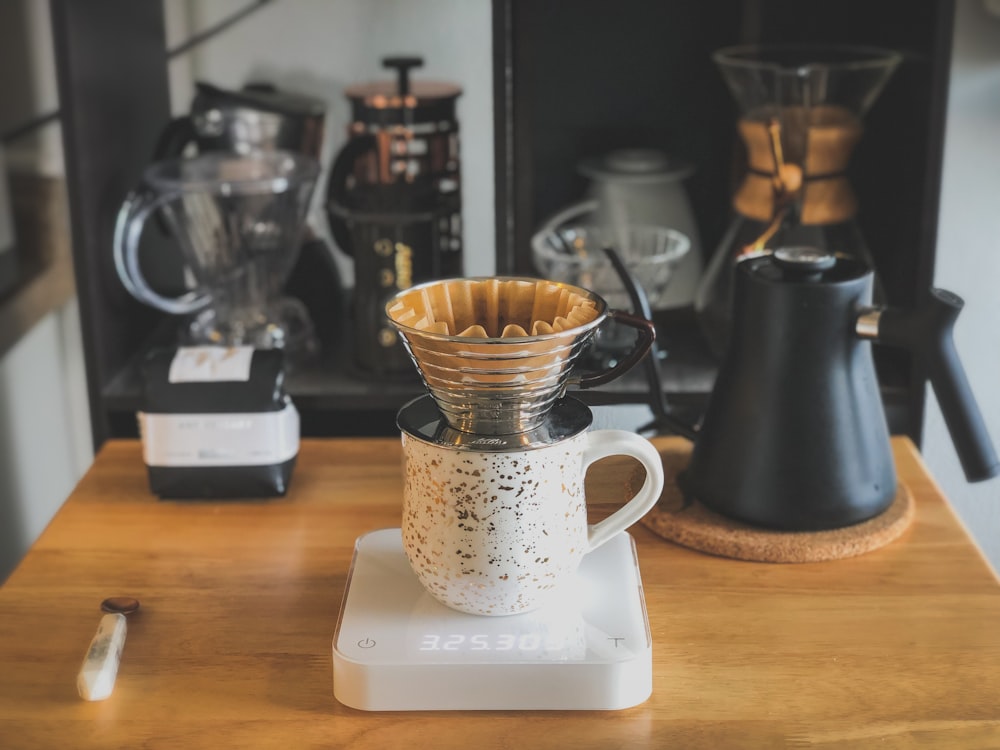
484	642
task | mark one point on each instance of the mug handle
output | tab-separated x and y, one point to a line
135	210
604	443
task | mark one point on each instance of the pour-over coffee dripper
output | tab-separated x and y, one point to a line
238	220
496	353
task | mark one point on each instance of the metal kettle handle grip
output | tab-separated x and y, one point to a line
646	336
927	333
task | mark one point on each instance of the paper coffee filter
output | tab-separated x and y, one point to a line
493	308
496	352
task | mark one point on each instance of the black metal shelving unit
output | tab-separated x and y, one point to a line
570	79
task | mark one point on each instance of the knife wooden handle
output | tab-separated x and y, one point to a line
100	666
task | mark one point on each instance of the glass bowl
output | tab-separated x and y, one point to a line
574	254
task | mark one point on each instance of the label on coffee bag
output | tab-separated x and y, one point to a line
211	364
260	439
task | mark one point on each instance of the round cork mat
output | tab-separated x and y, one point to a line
691	524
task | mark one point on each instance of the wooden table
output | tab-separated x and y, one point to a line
232	646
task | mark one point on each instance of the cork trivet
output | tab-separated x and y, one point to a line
691	524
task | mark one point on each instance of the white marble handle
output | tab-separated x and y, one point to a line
100	666
603	443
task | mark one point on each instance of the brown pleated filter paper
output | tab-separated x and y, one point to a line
494	352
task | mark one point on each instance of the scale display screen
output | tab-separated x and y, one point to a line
391	630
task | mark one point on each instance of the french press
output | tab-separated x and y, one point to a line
394	201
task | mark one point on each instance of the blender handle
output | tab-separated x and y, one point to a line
132	216
927	333
646	336
336	189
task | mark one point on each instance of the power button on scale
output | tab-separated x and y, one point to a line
366	643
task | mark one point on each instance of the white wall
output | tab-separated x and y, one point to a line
45	444
44	430
968	256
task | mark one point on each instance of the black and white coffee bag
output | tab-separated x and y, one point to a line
217	423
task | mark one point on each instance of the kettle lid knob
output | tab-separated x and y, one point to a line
803	263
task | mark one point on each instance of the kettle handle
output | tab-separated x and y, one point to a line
336	189
927	333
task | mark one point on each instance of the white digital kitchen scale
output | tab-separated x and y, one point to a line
398	649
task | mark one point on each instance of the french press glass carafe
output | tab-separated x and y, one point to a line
394	202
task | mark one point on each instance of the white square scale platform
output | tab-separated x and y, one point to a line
398	649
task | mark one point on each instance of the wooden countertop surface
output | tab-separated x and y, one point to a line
232	646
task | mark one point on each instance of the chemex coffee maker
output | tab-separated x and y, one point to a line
262	118
394	201
794	436
496	593
801	117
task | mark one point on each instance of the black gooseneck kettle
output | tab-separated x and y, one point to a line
794	436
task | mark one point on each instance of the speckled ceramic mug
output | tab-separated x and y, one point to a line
492	526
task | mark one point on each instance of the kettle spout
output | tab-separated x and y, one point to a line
927	333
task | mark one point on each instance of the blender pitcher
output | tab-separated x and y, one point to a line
238	220
801	110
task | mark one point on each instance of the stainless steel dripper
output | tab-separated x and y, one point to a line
496	353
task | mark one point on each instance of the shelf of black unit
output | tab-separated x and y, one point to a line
334	397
